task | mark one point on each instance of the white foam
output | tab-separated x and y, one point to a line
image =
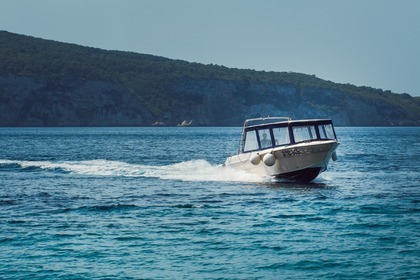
193	170
201	170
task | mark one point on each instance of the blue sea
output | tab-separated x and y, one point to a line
152	203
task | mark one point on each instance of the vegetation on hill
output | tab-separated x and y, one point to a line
153	80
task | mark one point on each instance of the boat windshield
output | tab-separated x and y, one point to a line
326	131
281	136
251	142
304	133
265	138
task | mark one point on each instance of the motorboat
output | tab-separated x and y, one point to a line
284	148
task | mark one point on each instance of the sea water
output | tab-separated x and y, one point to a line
152	203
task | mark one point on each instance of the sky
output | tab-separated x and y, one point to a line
373	43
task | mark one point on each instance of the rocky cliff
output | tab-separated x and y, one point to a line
47	83
220	102
31	102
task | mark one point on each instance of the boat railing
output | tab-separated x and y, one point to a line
267	120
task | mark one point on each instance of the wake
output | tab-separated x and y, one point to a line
193	170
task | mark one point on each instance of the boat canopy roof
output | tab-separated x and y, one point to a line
280	120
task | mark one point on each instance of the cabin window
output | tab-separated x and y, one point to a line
251	142
304	133
326	131
265	138
281	136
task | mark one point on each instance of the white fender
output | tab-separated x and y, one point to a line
255	159
269	159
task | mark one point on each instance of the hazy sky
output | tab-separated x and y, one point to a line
363	42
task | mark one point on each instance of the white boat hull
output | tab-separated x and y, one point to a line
303	161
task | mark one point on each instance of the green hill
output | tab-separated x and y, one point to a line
48	83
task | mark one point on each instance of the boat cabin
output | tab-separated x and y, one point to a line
264	133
